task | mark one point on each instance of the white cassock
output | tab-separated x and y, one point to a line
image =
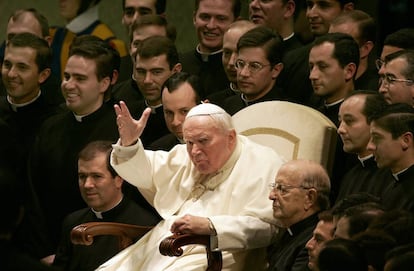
235	199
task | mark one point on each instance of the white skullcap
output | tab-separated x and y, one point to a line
205	109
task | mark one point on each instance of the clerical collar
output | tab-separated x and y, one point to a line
364	159
204	55
289	37
153	107
16	107
334	103
84	20
244	99
101	215
234	88
79	117
395	175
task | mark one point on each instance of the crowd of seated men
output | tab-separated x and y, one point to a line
99	129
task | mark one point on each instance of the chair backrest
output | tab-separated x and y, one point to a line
294	131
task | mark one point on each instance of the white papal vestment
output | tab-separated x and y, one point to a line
236	201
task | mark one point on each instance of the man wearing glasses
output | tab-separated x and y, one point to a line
258	65
300	191
397	79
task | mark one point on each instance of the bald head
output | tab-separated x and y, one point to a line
230	39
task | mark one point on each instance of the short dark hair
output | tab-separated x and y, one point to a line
152	19
107	59
367	28
156	46
346	50
179	78
374	102
43	51
352	200
266	38
92	149
402	38
408	56
396	119
41	19
236	7
159	6
340	255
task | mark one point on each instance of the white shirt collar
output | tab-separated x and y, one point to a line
15	107
84	20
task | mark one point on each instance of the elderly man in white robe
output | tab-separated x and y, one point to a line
215	184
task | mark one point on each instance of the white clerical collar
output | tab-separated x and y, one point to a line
78	117
153	107
84	20
99	214
289	37
204	55
234	88
398	173
365	158
334	103
15	106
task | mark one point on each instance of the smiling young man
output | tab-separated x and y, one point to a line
211	19
85	87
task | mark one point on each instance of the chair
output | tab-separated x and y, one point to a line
293	130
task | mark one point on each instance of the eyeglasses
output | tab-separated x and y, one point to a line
285	188
378	63
389	79
253	67
130	11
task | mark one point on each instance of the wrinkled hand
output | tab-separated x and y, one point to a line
129	129
191	224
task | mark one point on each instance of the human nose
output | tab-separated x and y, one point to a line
254	4
88	182
341	128
232	60
371	146
313	73
383	85
148	77
212	23
311	12
11	72
309	244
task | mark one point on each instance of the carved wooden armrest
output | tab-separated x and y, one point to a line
83	234
171	246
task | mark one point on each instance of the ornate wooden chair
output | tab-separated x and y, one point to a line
84	234
293	130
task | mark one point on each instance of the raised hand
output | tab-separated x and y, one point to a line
129	128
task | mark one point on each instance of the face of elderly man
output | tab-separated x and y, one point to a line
293	200
208	144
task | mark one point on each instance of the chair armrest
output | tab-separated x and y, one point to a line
171	246
84	234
